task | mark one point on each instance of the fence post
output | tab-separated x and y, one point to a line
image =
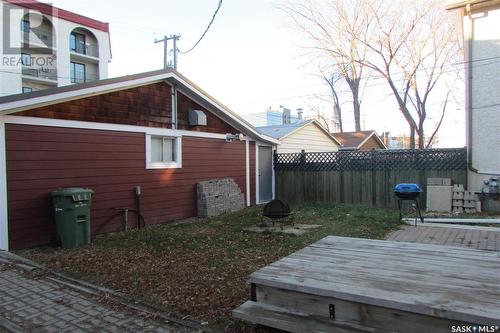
303	159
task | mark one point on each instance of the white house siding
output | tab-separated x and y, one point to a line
10	75
309	138
484	103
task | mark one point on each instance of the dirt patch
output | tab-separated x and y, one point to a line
198	270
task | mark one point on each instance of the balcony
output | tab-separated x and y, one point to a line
89	50
46	37
82	78
40	73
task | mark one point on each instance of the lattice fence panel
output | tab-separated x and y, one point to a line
404	159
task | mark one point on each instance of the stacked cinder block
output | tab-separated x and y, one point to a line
218	196
458	198
471	201
438	195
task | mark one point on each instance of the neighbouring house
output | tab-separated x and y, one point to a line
362	140
156	130
481	36
308	136
45	47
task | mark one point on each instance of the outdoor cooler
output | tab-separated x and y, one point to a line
409	192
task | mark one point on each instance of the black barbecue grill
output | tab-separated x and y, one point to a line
409	192
276	210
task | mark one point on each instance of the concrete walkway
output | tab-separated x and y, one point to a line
482	238
31	303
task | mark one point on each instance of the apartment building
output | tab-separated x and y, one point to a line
44	46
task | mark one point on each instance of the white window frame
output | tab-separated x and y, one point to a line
164	165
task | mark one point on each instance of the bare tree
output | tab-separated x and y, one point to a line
332	79
315	113
412	50
329	28
410	44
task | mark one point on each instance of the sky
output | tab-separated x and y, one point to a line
250	59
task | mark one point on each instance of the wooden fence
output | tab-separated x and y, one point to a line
363	177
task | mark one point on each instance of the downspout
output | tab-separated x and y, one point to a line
4	221
174	106
247	170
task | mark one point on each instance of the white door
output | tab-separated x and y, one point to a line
265	174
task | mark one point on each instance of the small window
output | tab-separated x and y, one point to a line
25	26
25	59
163	152
77	72
77	43
162	149
27	90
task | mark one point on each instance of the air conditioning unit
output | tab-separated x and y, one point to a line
197	118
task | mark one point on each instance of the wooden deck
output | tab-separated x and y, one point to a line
357	285
481	238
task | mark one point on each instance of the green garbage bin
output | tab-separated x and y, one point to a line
72	212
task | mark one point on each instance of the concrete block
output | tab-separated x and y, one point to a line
478	207
457	203
458	195
469	195
439	198
434	181
438	181
470	210
218	196
458	210
458	188
470	204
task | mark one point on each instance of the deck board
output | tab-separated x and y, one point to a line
456	283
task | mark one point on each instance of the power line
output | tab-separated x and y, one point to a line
206	30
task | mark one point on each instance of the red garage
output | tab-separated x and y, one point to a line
156	130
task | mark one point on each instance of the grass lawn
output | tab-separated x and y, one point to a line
199	269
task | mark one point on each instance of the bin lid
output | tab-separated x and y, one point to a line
71	191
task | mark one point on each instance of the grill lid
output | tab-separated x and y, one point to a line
407	188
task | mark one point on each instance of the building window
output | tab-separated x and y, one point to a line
77	43
27	90
26	59
25	25
77	72
163	152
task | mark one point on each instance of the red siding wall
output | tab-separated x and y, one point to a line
41	159
370	144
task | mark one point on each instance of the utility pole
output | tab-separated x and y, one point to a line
165	40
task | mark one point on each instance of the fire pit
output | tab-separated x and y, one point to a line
409	192
276	210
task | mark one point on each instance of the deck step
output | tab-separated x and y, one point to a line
284	319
